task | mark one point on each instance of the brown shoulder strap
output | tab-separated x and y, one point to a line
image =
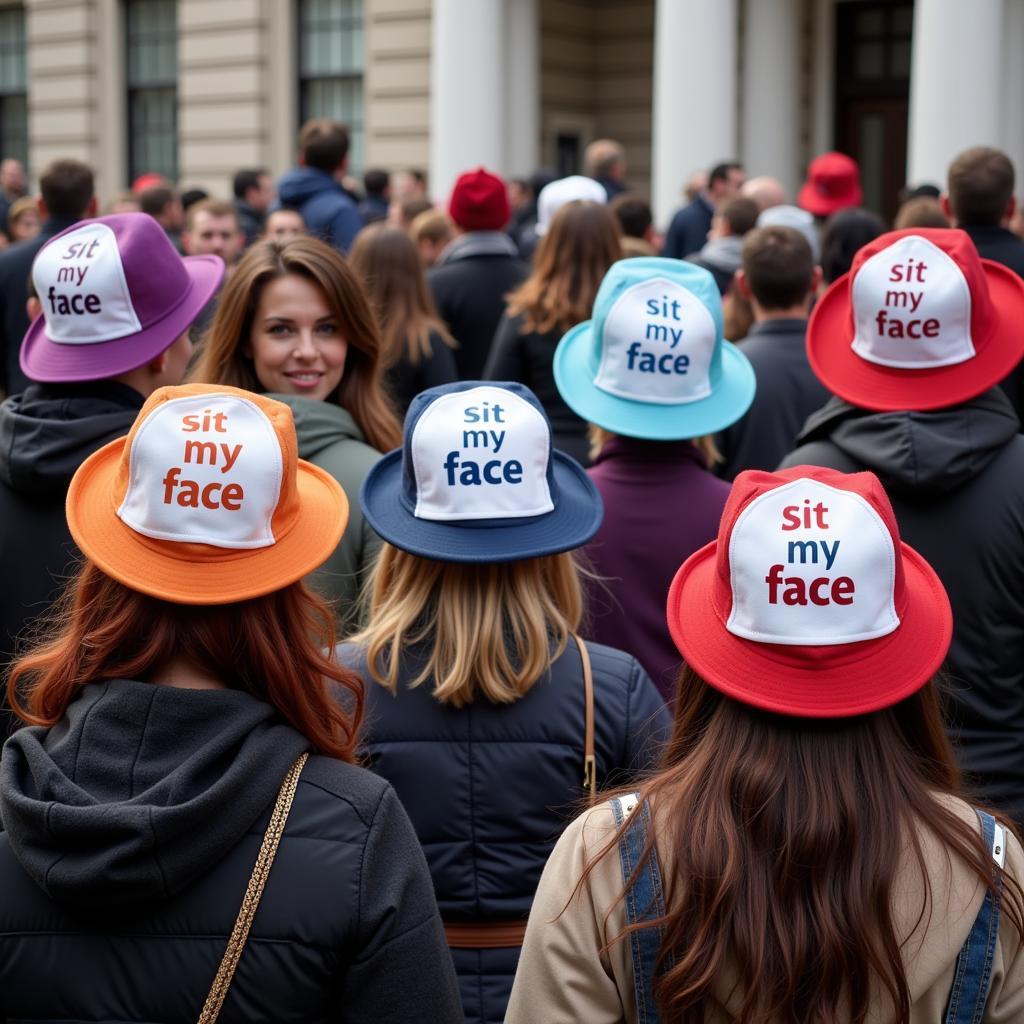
589	767
253	892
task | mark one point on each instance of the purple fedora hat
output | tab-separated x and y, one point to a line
115	294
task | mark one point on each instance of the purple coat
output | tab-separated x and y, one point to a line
660	505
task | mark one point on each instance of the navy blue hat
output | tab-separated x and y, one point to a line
477	480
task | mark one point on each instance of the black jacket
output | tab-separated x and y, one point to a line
956	481
469	283
527	358
489	788
250	221
15	268
688	229
46	433
787	393
131	830
406	379
1003	246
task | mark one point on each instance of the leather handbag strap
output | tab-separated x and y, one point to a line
589	764
253	892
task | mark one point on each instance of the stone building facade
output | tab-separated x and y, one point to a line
209	86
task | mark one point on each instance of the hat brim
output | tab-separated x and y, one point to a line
812	682
811	200
575	519
44	359
890	389
198	574
728	401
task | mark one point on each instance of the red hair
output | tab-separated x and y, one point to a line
277	647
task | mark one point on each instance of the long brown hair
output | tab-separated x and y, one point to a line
581	243
780	841
386	261
492	629
277	647
223	361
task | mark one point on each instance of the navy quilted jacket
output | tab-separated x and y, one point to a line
489	787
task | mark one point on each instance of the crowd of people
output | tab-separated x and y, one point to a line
498	610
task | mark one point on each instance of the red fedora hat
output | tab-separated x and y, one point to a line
920	322
808	603
833	184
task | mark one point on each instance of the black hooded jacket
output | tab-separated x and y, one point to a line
956	481
130	832
46	433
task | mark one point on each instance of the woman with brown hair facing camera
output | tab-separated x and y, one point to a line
805	854
187	797
293	322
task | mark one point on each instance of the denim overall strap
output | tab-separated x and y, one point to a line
644	902
969	994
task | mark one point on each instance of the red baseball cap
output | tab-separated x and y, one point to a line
808	603
479	201
833	184
920	322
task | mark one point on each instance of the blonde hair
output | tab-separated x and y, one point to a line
433	225
599	437
492	629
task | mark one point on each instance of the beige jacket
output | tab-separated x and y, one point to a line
564	978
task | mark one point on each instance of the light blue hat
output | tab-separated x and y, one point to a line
652	363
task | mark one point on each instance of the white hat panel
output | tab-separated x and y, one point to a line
811	565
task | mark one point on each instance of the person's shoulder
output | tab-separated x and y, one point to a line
354	793
1006	846
21	254
591	831
611	663
819	452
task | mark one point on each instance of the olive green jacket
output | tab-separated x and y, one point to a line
329	438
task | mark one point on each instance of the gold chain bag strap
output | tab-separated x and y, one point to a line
589	763
253	892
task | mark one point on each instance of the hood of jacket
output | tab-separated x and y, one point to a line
301	184
724	253
934	451
319	424
140	789
49	430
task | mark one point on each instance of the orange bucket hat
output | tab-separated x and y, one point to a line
206	501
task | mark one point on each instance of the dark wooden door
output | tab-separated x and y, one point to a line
872	95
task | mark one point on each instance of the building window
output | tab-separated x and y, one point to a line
151	34
13	88
331	66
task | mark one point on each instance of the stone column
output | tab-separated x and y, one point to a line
694	115
770	129
467	102
1012	137
522	96
956	83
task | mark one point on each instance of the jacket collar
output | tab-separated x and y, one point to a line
790	325
478	243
